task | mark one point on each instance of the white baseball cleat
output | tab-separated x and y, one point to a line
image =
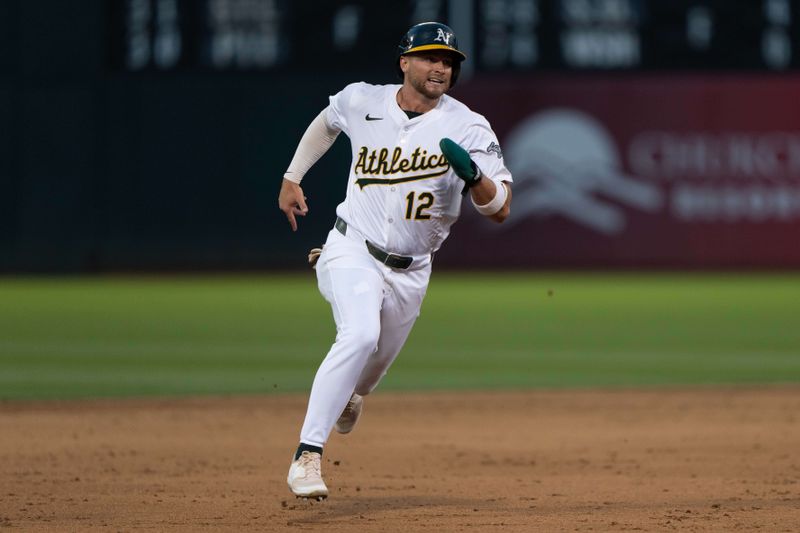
305	476
349	417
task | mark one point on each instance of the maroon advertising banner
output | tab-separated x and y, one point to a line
640	171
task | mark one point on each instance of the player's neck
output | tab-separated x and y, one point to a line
411	100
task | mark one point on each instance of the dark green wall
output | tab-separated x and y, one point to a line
103	170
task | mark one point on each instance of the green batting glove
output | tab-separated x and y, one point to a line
460	162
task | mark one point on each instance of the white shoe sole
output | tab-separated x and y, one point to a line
318	493
313	496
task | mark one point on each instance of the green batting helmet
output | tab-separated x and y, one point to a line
431	36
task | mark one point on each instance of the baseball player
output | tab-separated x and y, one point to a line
416	152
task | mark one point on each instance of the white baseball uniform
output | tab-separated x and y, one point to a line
402	198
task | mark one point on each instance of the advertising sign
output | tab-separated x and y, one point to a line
641	171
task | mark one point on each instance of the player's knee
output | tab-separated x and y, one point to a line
363	339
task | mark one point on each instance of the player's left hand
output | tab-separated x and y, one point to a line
292	202
460	161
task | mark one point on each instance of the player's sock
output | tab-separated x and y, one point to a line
306	448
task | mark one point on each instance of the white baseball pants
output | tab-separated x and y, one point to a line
374	308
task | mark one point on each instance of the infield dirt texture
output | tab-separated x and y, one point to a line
689	460
609	402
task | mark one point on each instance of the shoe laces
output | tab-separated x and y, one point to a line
311	465
350	407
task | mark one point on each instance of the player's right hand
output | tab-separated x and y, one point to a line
292	202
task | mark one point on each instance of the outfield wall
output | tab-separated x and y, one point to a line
611	172
107	167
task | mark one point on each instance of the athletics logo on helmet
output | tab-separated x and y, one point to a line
442	36
431	36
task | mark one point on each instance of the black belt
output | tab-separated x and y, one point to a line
390	260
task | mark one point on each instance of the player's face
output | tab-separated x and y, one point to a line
428	72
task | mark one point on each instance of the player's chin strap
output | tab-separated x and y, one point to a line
496	203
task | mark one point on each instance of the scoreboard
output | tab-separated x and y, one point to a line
637	34
498	35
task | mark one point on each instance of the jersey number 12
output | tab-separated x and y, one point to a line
424	201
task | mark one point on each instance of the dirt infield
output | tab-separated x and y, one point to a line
697	460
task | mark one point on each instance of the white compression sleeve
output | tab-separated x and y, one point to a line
317	139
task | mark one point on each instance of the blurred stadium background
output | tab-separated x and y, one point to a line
142	144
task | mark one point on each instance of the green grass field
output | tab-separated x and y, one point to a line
89	337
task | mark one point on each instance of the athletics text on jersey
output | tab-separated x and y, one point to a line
418	166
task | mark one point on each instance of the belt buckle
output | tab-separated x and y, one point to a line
399	261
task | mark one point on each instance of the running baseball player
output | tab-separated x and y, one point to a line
416	151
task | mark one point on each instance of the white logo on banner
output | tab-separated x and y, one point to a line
565	163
